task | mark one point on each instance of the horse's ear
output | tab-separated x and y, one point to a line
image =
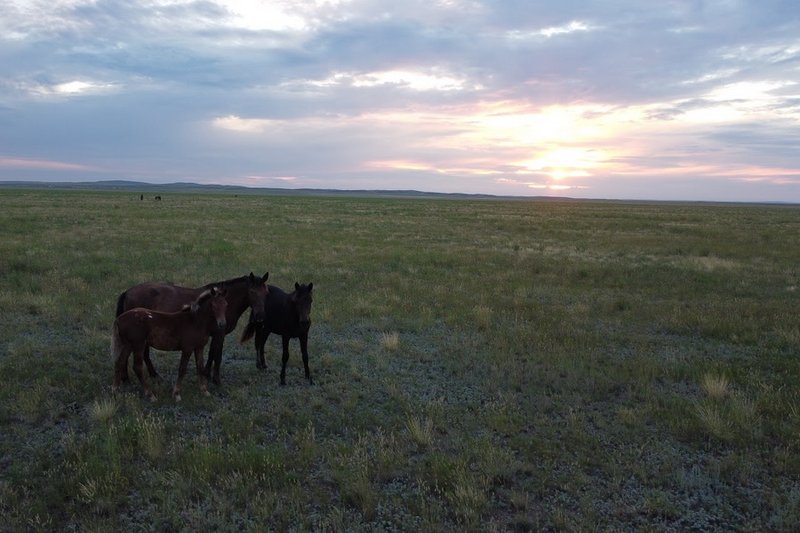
265	277
252	278
310	286
296	286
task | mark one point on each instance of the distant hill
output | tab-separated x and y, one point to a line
141	187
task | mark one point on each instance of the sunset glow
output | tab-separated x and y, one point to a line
451	95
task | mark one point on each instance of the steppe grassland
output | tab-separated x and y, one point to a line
477	364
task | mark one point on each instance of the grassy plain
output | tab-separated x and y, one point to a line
480	365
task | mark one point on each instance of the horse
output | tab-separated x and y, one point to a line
288	315
186	330
241	293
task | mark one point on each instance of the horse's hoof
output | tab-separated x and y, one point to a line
152	398
206	393
177	397
216	381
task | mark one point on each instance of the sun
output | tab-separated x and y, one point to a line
560	163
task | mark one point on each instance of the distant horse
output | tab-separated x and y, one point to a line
157	198
241	293
186	330
288	315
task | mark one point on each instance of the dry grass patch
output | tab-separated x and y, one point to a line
713	421
103	410
151	436
420	430
716	387
390	340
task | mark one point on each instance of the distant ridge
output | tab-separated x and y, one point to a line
142	187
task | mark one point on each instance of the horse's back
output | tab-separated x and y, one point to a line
162	330
132	325
158	296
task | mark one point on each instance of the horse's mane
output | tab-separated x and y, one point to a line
226	283
200	300
205	295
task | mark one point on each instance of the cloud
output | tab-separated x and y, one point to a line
11	162
438	94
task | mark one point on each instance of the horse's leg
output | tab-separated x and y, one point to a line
201	376
138	363
150	368
215	356
304	350
285	341
261	338
220	341
184	364
124	377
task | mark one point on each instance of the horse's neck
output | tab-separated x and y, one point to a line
237	304
199	318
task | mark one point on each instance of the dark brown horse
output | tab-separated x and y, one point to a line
288	315
241	293
186	330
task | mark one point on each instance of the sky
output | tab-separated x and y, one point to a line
618	99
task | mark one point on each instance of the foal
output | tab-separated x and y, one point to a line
288	315
186	331
241	293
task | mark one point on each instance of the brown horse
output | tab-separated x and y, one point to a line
288	315
241	293
186	330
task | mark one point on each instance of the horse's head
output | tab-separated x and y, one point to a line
214	302
301	299
219	306
257	292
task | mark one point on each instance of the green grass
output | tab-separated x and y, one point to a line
485	365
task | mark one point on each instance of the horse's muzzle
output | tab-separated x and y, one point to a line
221	324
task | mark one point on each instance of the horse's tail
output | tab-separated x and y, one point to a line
116	342
121	303
248	332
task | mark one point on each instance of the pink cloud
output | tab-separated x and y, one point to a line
41	164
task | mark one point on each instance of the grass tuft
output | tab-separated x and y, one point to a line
103	410
483	316
713	420
420	430
150	433
716	386
390	340
468	500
